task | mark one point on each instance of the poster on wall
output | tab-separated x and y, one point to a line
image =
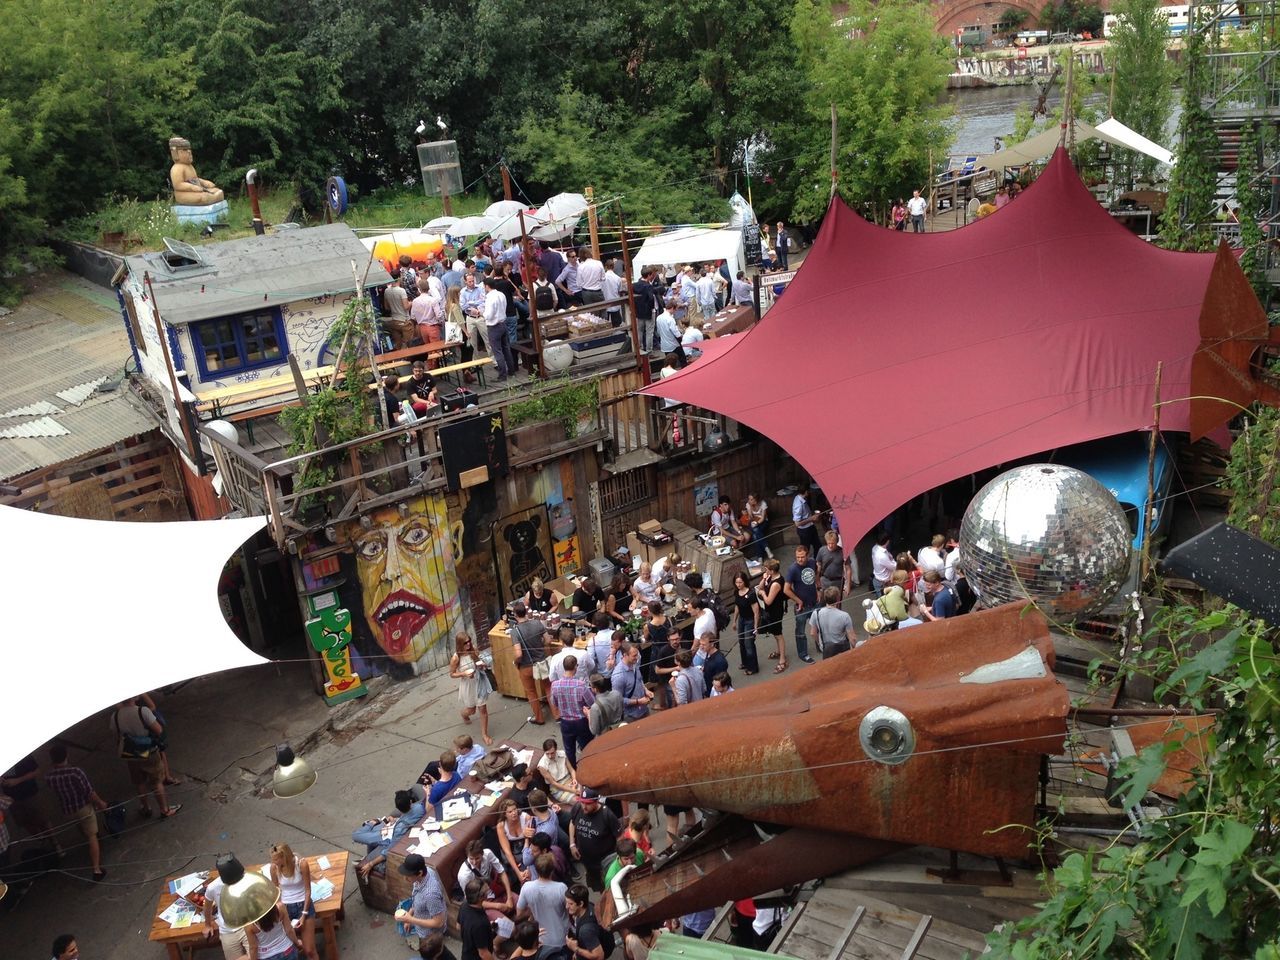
568	559
522	550
330	634
706	494
397	574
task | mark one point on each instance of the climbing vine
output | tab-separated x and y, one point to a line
338	412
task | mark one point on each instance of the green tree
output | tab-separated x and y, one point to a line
1254	198
587	142
1143	80
1187	222
885	69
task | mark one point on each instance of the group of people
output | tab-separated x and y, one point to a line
285	932
910	589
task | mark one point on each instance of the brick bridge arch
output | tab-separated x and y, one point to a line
951	15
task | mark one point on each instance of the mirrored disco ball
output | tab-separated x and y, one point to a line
1049	533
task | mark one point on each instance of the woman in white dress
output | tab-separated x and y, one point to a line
473	682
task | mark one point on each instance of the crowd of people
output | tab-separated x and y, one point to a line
910	589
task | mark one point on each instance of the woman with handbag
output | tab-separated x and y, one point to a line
474	685
744	601
772	604
140	735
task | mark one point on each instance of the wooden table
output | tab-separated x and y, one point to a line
329	912
731	320
385	891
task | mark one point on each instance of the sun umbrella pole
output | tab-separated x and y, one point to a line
592	223
527	271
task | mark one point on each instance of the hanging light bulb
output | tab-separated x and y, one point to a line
293	775
245	898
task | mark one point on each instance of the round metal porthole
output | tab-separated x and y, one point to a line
886	735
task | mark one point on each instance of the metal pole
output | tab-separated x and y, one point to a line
631	297
537	331
1145	519
373	364
251	180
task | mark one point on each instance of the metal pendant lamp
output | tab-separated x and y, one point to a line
293	775
245	897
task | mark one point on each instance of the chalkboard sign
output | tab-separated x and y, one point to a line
474	442
751	243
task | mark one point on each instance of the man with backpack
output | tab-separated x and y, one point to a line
140	739
586	940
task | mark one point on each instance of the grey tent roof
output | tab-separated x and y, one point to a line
236	276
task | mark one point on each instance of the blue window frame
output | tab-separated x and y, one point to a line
242	342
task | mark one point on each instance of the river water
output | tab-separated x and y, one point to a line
984	113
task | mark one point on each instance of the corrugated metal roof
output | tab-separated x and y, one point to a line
66	333
237	276
674	946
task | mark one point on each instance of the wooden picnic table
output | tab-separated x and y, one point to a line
329	911
732	319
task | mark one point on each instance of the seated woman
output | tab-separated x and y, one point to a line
588	597
618	602
664	568
540	599
645	586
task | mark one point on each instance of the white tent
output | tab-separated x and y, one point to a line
1044	143
691	245
106	611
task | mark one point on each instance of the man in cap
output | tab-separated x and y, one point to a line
593	835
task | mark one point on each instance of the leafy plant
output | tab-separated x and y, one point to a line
561	399
1188	215
334	415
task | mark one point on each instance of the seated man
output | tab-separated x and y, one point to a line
443	776
725	524
468	752
379	836
422	394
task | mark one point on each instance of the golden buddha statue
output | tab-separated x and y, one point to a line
188	189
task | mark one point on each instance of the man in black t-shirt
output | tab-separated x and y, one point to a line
593	835
473	922
584	940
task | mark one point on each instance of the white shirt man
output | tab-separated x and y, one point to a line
882	564
692	335
495	308
705	623
706	287
586	665
590	274
930	558
917	205
668	332
437	287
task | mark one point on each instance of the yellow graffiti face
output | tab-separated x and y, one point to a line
408	584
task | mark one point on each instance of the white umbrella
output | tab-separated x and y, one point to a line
504	208
555	229
563	206
439	225
473	226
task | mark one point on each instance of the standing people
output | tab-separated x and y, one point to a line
65	947
590	276
427	311
293	876
882	563
495	322
426	912
831	628
573	698
748	610
473	921
235	942
898	215
646	301
542	900
833	569
802	589
585	940
606	712
474	687
916	206
79	801
714	662
139	735
272	936
806	521
769	593
527	640
758	522
471	300
21	785
782	245
687	682
629	683
593	835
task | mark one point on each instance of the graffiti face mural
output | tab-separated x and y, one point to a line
408	583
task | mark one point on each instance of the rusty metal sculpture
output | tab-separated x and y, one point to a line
931	736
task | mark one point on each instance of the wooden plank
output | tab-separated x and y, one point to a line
834	905
921	931
792	919
847	934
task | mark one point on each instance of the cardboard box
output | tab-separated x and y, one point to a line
650	526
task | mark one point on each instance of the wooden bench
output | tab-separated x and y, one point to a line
526	355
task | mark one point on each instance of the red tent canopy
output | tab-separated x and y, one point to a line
896	362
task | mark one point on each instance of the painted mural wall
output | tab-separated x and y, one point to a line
398	575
